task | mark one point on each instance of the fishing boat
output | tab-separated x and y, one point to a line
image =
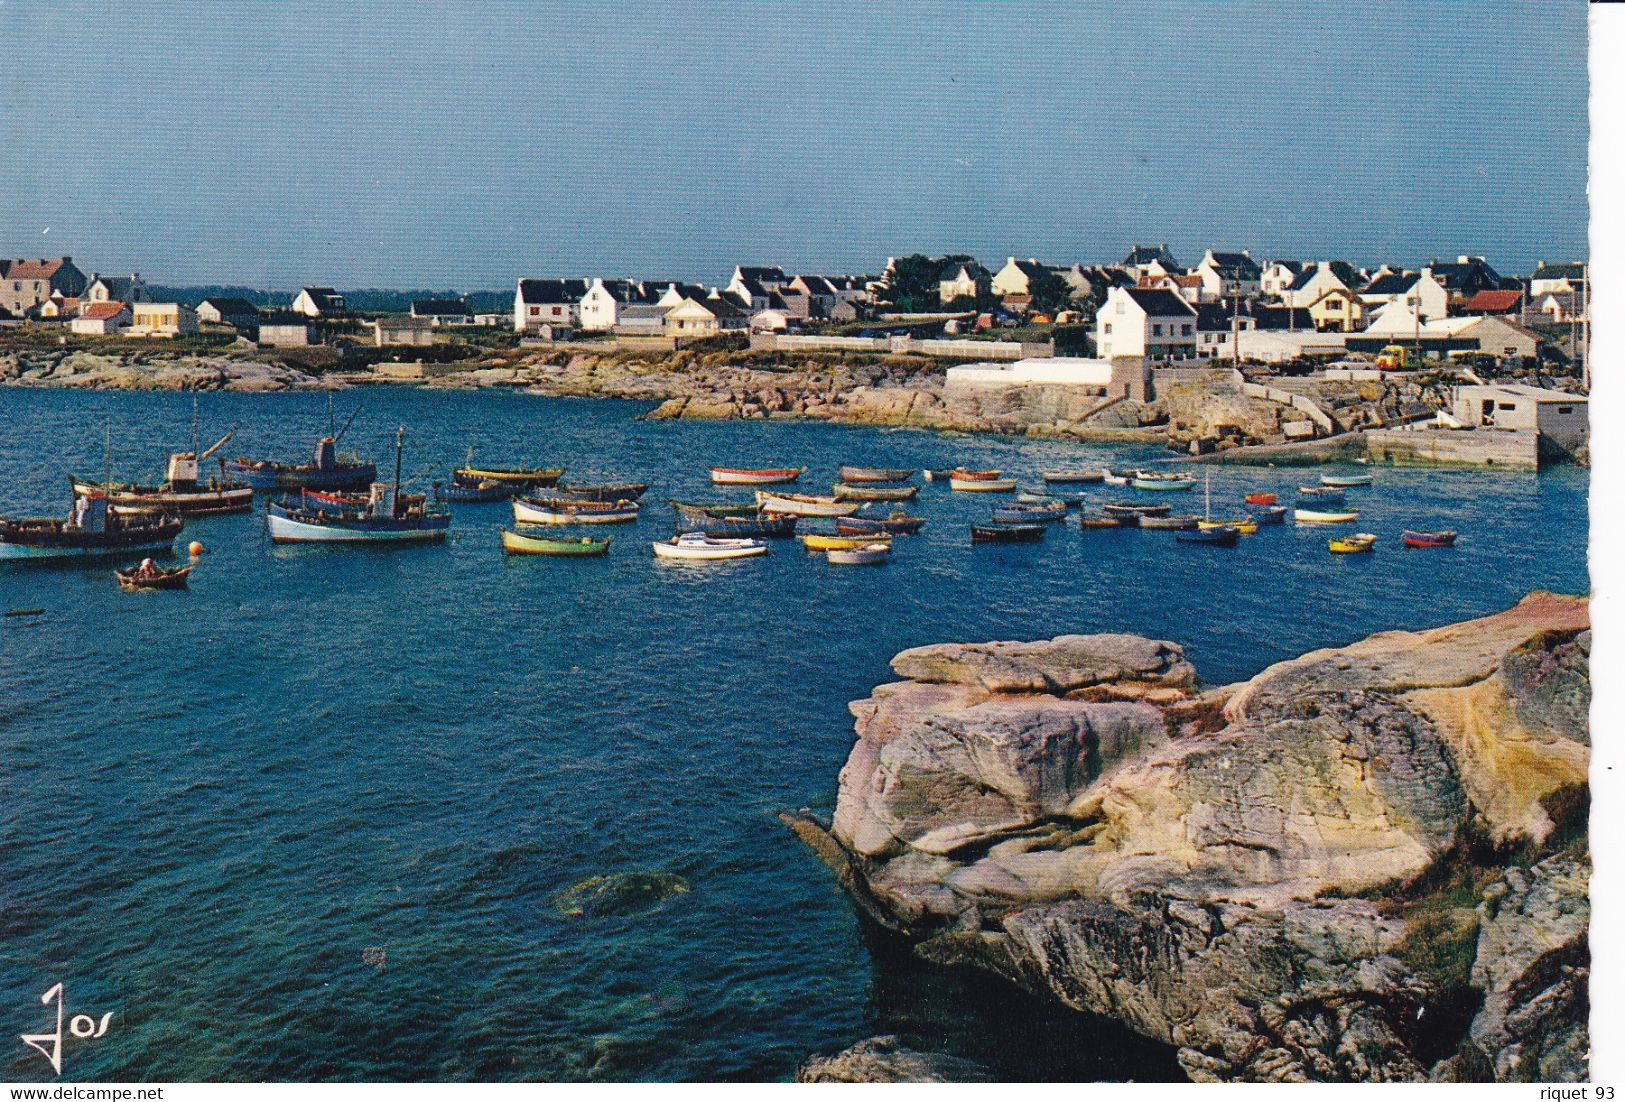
1132	511
1224	535
897	524
1171	523
1153	480
872	554
876	474
1260	499
149	576
609	491
1275	514
698	546
1245	527
731	521
1074	476
824	541
805	505
755	476
92	528
1351	545
1028	514
1027	495
529	510
874	492
517	543
459	492
1318	516
981	485
387	515
1321	493
1446	538
327	470
519	478
181	493
1006	533
1342	480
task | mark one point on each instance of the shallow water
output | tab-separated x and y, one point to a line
217	800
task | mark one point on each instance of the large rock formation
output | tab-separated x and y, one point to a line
1366	863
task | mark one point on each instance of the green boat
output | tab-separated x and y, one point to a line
513	543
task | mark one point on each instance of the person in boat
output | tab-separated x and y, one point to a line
147	569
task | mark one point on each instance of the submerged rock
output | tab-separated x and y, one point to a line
622	893
1307	876
887	1060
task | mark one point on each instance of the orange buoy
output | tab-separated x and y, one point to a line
195	548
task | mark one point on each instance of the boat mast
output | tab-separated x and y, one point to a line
194	427
1207	495
400	432
107	454
330	413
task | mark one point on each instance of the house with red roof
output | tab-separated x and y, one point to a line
1494	302
101	319
26	285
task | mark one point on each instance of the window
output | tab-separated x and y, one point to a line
1564	411
1508	405
1186	331
1108	329
535	311
1156	330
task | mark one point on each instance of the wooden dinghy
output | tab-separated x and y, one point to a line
698	547
149	576
755	476
1260	499
897	524
1318	516
1025	496
1246	525
1224	535
1446	538
966	474
516	543
533	511
609	491
1171	523
518	477
872	554
876	474
732	521
1275	514
1327	494
1006	533
871	492
1351	545
1340	481
1074	476
805	505
824	541
472	493
982	485
1153	480
1132	511
1028	514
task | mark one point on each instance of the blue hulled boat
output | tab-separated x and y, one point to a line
386	516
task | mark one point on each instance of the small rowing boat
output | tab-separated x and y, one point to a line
1317	516
1044	497
458	492
872	554
1260	499
609	491
981	485
804	505
1223	535
823	541
519	478
934	474
755	476
1115	478
1342	480
874	492
1246	527
1006	533
1322	494
876	474
1073	476
697	546
516	543
966	474
1132	511
1152	480
1446	538
898	524
1172	524
149	576
1275	514
1028	514
732	521
1351	545
528	510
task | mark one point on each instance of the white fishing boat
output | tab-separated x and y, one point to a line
1317	516
1156	480
699	546
982	485
530	511
1342	480
804	505
870	554
755	476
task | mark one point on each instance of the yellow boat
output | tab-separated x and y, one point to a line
1349	545
1246	527
816	542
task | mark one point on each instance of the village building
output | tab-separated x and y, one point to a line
318	302
1561	279
1326	275
60	306
162	319
1560	418
238	313
770	278
404	329
1279	276
538	302
1218	326
442	311
283	329
966	279
1155	325
1464	277
1187	286
131	288
26	285
640	319
1151	260
101	319
696	317
601	306
1339	310
1229	275
1494	302
1416	292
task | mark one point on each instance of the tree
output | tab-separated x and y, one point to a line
1050	293
913	282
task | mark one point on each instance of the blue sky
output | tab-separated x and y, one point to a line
461	145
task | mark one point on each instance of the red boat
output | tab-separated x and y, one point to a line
1260	499
974	476
1430	539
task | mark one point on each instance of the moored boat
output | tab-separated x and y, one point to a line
824	541
755	476
1115	478
1170	523
1274	514
387	515
1260	499
1154	480
1322	495
1342	480
486	490
181	493
327	470
1245	527
981	485
966	474
1446	538
92	528
517	543
876	474
700	547
872	554
1033	496
897	524
1006	533
519	478
529	510
609	491
1320	516
937	474
1351	545
731	522
805	505
1028	514
1086	521
1132	511
1224	535
873	492
1073	476
150	576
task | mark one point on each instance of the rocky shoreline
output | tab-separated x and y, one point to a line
1365	864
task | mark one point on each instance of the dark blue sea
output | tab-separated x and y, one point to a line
309	820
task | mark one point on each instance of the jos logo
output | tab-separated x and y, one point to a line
82	1026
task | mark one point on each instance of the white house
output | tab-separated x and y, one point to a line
1559	417
130	288
318	302
1016	277
236	312
704	317
962	281
1550	279
100	319
1151	260
1229	275
1217	327
1156	325
600	307
162	319
1310	285
539	302
1279	276
771	278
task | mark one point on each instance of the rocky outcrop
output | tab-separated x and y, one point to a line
1366	863
156	370
887	1060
